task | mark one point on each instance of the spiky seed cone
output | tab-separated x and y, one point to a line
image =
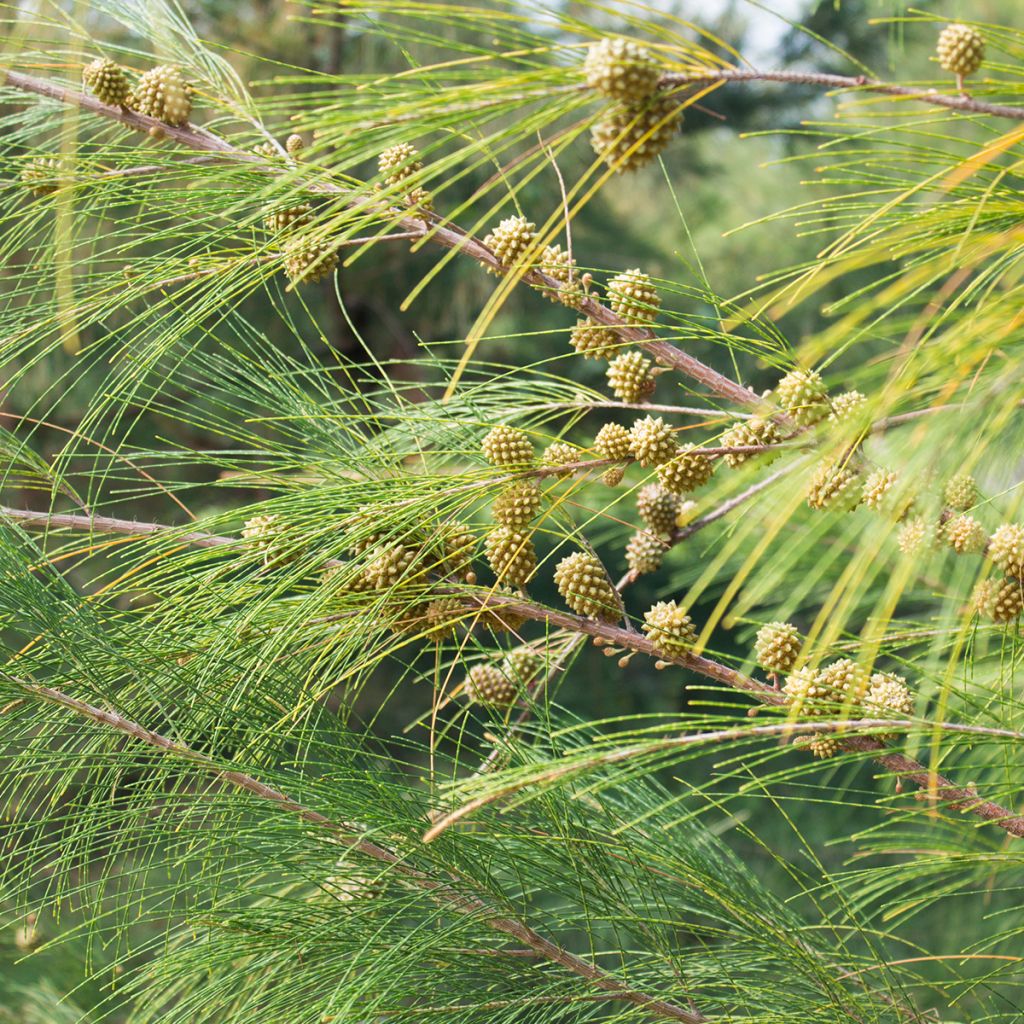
1006	549
888	695
847	406
877	492
629	136
106	81
562	267
487	684
804	692
916	536
497	616
620	69
845	681
686	472
511	555
823	746
612	442
629	377
307	262
612	476
561	453
632	297
523	665
802	394
745	434
593	340
507	446
294	145
399	162
777	646
268	534
517	504
998	600
390	565
42	174
657	508
960	49
510	241
965	535
459	543
281	220
442	615
650	442
163	93
264	149
583	583
644	552
670	630
833	485
961	492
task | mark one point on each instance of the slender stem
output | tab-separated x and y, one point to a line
861	83
954	796
441	892
422	224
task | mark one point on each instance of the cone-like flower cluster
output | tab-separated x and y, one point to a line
630	135
517	504
510	241
746	434
1006	549
778	646
507	446
593	340
878	489
832	484
847	406
612	442
888	694
960	49
287	218
916	536
621	70
669	628
268	534
630	378
561	453
164	94
686	472
557	263
106	81
487	684
657	508
802	394
965	535
583	583
998	600
845	681
961	492
511	555
42	174
805	693
650	441
307	263
632	297
644	552
523	665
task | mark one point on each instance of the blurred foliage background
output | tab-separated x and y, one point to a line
740	157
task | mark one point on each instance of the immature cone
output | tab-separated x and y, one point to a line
308	262
745	434
669	628
805	693
877	492
562	267
517	504
621	70
583	583
507	446
294	144
593	340
686	472
650	442
523	665
163	93
632	297
42	174
644	552
657	508
560	453
399	162
1006	549
961	492
459	547
832	484
629	136
960	49
511	554
281	220
268	535
612	476
846	681
778	646
965	535
847	406
443	614
916	535
612	442
106	81
487	684
802	394
510	241
998	600
390	565
889	695
629	377
823	746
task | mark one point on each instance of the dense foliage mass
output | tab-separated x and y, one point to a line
326	639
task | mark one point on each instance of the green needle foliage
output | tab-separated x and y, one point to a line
297	715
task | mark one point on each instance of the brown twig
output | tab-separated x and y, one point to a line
442	892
